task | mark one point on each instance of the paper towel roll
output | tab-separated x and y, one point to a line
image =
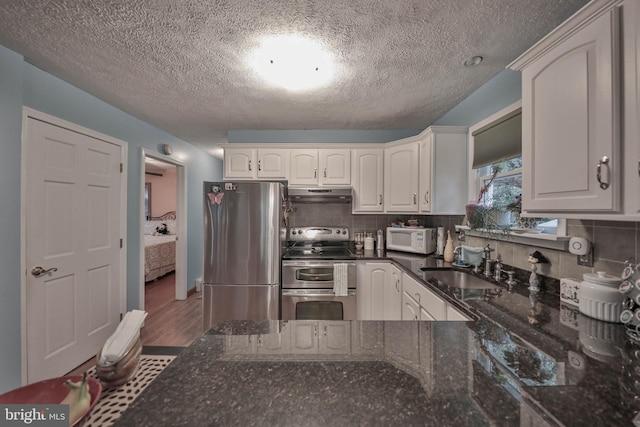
440	241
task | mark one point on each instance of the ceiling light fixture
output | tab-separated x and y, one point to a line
473	61
293	62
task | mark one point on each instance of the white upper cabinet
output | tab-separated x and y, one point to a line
251	163
273	163
367	180
335	167
631	91
443	170
426	171
571	115
239	163
320	167
401	165
304	167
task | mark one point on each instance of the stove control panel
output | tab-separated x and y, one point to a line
319	233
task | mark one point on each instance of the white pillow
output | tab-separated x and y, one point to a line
150	227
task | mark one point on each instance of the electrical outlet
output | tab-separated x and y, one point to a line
586	260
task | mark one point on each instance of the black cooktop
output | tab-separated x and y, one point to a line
319	250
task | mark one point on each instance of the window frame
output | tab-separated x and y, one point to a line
477	176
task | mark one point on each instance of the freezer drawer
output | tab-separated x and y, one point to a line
239	302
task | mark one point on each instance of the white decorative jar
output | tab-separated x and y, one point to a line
600	298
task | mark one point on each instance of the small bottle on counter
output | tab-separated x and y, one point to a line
449	256
368	242
380	241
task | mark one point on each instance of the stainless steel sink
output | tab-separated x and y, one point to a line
459	279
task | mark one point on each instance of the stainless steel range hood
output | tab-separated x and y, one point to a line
320	195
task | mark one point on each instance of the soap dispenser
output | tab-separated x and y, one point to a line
449	256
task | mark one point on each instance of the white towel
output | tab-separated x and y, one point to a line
472	255
340	279
124	337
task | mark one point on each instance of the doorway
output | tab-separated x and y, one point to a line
156	206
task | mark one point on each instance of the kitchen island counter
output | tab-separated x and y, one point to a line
385	373
525	360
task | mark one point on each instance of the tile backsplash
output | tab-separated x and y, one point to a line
613	241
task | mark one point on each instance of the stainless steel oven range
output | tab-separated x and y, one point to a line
314	259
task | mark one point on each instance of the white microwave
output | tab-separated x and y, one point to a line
416	240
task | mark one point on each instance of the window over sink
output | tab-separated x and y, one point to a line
496	177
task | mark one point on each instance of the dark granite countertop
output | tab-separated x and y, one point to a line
526	360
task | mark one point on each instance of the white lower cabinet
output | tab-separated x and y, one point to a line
272	343
385	292
410	308
454	314
393	294
325	337
367	339
419	303
379	291
433	306
401	346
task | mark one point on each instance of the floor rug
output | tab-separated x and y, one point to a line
113	402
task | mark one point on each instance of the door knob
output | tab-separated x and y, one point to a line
39	271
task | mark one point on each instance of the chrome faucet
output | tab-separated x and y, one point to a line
497	270
487	260
457	252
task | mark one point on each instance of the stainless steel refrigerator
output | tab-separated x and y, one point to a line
243	242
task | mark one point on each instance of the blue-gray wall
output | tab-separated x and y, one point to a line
348	136
501	91
10	131
22	84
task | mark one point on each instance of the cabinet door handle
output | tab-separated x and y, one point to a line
397	285
315	172
603	184
381	194
315	330
249	164
426	197
259	165
415	198
324	330
325	172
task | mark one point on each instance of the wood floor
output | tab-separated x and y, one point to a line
170	322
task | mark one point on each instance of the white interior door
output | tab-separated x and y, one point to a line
73	213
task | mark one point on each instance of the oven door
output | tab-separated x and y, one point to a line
314	274
317	304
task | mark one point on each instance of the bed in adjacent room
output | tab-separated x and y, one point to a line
159	248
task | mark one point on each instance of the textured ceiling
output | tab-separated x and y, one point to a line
181	65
